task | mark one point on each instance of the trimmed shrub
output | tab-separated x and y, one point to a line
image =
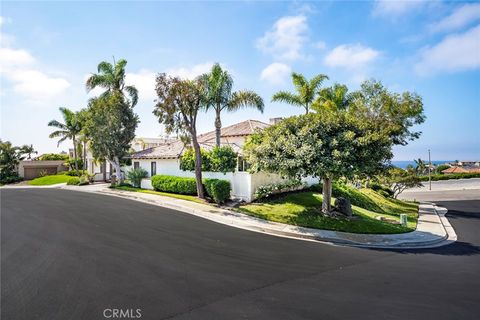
73	173
73	181
437	177
218	190
174	184
135	176
10	179
84	180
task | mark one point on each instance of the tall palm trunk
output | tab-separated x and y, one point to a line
198	165
84	155
327	195
75	153
218	126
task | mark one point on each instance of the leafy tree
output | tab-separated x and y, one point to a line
223	159
187	161
219	83
53	156
82	117
441	167
111	77
393	114
306	90
332	98
111	127
28	150
420	166
177	107
327	145
69	129
400	180
10	156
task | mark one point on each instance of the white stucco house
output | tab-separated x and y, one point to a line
165	159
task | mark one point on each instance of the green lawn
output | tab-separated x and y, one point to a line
166	194
49	180
302	209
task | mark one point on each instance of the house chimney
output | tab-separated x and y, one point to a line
275	120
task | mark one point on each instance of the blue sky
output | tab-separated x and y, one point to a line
49	48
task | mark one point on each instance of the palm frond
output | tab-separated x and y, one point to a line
245	98
317	81
105	67
97	80
56	124
287	97
299	80
133	93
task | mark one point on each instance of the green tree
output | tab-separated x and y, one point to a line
28	150
326	145
69	129
306	90
400	180
332	98
420	166
111	128
10	156
82	117
177	107
219	84
111	77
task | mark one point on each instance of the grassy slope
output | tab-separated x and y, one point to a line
302	209
49	180
166	194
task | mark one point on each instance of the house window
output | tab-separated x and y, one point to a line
136	165
242	164
153	168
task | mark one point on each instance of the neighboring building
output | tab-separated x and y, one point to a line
468	163
142	143
165	159
454	169
31	169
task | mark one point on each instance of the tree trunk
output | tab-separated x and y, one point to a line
84	155
218	127
118	172
75	153
198	166
327	195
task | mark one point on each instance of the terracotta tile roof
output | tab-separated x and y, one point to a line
243	128
174	149
455	170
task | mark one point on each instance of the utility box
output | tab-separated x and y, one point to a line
403	219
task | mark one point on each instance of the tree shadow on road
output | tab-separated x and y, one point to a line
457	248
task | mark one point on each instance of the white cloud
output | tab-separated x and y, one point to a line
37	85
286	38
4	20
457	52
351	56
10	58
276	73
394	8
144	81
191	72
459	18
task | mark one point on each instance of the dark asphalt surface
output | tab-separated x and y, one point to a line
71	255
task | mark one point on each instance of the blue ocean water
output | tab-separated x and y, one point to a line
404	164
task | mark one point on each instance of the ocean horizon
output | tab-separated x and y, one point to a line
404	163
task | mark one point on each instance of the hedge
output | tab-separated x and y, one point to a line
437	177
74	181
174	184
218	190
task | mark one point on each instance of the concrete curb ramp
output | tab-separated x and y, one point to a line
433	228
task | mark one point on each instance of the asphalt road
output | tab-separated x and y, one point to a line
73	255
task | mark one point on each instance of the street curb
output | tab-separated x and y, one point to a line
233	219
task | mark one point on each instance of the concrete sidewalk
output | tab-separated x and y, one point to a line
433	229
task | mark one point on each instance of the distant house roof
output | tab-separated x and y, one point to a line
174	149
244	128
455	170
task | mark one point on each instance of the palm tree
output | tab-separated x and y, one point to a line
28	150
82	118
67	130
111	77
332	98
305	91
420	166
218	85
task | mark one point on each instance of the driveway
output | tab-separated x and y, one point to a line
73	255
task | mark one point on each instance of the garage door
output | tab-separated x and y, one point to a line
35	172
